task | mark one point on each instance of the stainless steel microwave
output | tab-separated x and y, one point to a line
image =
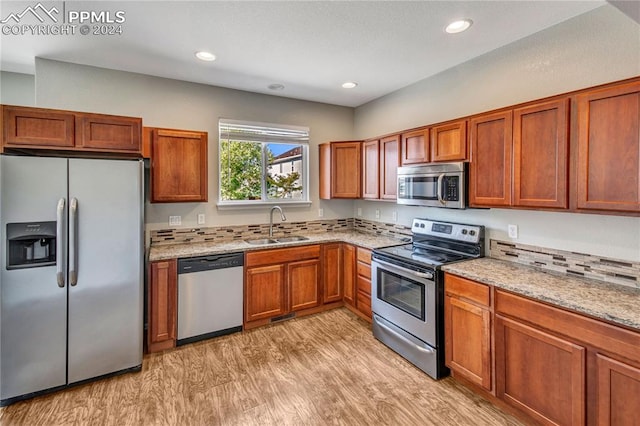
433	185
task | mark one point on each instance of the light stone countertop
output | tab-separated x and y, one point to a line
182	250
615	303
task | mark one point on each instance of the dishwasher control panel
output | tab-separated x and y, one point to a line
210	263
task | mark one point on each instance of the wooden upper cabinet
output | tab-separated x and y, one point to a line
415	147
371	169
608	175
389	162
490	168
449	142
340	170
108	132
38	128
540	155
178	165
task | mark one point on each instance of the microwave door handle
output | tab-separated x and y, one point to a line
440	179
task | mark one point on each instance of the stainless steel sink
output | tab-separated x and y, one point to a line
261	241
291	238
287	239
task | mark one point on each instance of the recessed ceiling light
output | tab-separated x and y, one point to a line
275	86
458	26
349	85
205	56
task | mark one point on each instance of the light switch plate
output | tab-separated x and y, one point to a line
175	220
201	219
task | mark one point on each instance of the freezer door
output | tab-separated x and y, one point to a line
106	299
33	308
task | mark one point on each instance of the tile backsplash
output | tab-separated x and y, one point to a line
601	268
239	232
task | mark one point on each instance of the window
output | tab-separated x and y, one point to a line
262	163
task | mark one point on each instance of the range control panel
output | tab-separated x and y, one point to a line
452	231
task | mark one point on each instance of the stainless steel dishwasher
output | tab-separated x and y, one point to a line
209	296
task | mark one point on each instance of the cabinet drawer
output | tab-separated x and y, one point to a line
364	303
467	289
269	257
364	285
364	270
364	255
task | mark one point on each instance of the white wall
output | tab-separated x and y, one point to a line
598	47
181	105
17	89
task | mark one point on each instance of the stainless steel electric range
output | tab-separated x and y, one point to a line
407	290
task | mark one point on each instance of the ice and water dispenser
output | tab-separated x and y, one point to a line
31	244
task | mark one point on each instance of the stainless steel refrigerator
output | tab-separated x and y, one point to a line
71	284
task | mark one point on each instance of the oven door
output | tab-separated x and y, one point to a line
406	298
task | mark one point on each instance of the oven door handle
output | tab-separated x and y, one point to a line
439	191
400	336
426	275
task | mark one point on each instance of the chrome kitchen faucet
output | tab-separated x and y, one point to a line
282	218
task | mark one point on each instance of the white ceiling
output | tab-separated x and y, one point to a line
310	47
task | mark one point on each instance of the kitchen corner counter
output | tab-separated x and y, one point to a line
182	250
615	303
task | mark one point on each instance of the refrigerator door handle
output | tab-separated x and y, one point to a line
73	226
60	242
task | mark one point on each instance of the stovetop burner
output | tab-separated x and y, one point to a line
438	243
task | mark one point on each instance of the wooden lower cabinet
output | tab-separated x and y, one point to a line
264	292
467	325
332	272
280	282
541	374
304	284
363	283
162	305
618	392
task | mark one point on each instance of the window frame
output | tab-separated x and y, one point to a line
264	201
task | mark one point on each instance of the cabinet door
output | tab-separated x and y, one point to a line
415	147
389	162
33	127
324	156
349	273
467	341
332	273
264	292
490	168
540	374
345	172
449	142
618	394
540	160
370	170
609	148
304	284
162	305
178	166
109	133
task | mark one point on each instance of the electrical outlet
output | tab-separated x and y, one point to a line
359	211
377	213
201	219
320	212
394	216
175	220
513	231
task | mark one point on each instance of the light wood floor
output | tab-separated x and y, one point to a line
318	370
